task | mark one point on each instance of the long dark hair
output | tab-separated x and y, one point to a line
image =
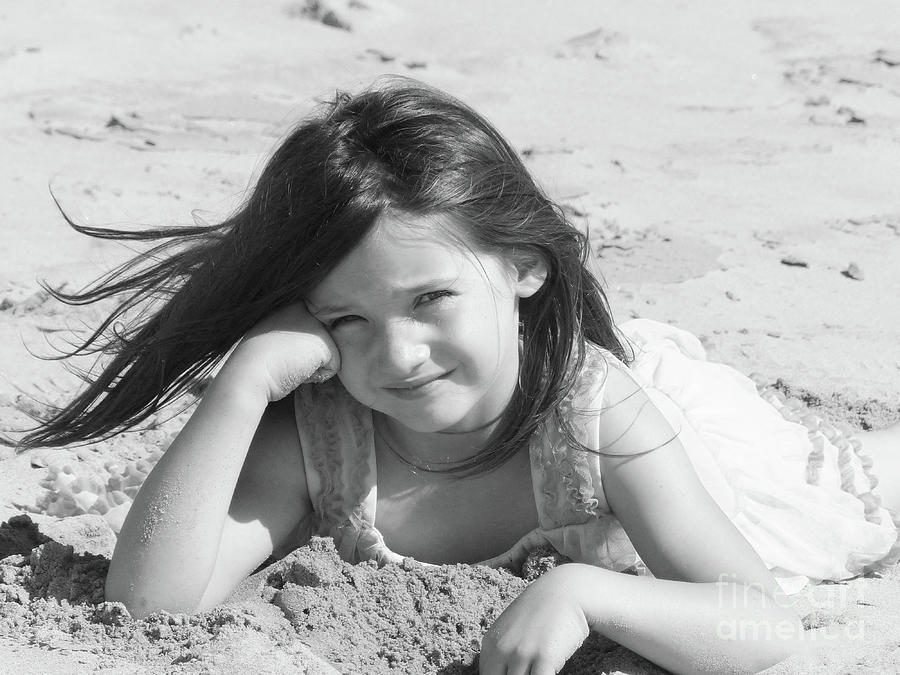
400	145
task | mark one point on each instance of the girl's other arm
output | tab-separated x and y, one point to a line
732	615
684	627
714	606
232	485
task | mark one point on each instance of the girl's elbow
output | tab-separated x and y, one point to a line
771	634
141	602
117	590
777	651
746	656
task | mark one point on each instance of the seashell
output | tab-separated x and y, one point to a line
65	506
106	491
117	498
133	475
133	480
101	506
116	516
96	484
853	270
85	500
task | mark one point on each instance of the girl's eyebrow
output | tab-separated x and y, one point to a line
429	285
414	289
326	309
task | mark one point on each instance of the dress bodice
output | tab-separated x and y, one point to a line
337	437
799	490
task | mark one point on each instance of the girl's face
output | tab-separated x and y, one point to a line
427	329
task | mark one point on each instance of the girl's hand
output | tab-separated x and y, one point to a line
286	349
540	630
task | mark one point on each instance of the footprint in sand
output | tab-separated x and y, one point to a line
234	123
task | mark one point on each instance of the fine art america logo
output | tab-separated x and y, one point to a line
827	611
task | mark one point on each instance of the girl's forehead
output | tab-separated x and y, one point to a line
402	254
407	230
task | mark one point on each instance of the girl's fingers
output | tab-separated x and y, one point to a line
491	669
526	667
542	667
323	374
518	665
514	558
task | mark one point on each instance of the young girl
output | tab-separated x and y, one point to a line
425	367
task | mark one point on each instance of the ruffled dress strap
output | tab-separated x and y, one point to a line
574	515
337	441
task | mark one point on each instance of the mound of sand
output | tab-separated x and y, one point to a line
313	613
299	614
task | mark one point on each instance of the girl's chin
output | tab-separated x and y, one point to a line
424	425
423	422
439	424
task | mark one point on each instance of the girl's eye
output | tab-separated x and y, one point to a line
343	320
425	298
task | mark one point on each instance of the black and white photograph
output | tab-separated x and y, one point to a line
419	337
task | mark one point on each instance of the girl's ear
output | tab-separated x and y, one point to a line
532	275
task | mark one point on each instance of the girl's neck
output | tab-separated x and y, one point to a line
433	450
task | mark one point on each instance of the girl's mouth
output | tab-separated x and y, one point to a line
419	387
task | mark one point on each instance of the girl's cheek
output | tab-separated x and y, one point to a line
346	336
352	349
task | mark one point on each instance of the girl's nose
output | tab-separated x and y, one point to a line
403	348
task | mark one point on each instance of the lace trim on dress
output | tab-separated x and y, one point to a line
561	465
850	457
321	429
339	441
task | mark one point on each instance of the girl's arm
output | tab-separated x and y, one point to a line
232	485
714	606
685	627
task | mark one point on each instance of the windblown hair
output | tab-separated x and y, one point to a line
399	146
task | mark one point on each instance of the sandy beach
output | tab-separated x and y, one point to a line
735	165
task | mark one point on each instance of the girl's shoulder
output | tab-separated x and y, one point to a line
609	409
601	381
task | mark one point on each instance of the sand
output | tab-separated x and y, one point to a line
735	165
317	613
